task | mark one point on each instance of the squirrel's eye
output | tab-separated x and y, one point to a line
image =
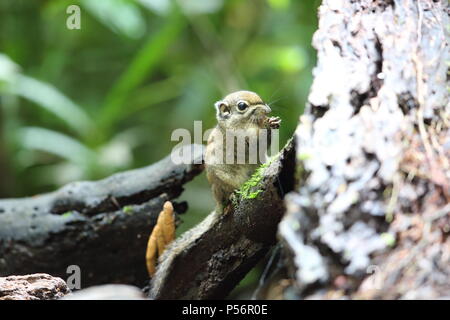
242	105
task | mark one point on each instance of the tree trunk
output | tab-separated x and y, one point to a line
369	215
374	149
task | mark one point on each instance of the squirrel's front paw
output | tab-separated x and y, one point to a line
274	122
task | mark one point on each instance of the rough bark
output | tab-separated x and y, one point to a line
219	254
100	226
374	150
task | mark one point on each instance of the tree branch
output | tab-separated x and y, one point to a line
213	257
101	226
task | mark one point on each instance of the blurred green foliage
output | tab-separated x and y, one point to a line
83	104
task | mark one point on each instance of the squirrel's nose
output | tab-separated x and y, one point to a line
266	108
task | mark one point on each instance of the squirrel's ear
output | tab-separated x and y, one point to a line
223	109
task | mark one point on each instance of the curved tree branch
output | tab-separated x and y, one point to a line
101	226
213	257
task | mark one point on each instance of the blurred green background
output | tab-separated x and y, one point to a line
83	104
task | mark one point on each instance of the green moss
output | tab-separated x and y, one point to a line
247	190
67	214
128	209
388	238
